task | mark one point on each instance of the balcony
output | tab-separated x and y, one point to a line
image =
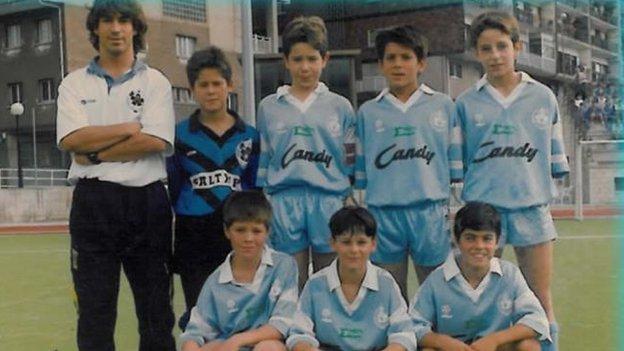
537	63
604	12
261	44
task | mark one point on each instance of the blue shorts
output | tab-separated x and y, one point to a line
526	226
423	230
301	219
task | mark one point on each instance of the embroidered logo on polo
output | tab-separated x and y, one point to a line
294	154
504	129
135	100
479	120
326	315
333	125
231	306
303	130
276	289
490	150
379	126
438	122
505	305
351	333
540	118
381	317
446	312
209	180
404	131
243	151
391	154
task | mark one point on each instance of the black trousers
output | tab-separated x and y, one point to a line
113	227
200	247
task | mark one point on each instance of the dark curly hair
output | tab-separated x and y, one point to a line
125	8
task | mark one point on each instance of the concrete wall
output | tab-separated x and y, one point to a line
35	205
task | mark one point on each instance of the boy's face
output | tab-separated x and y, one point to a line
305	65
477	248
247	238
353	250
115	34
211	90
497	53
401	67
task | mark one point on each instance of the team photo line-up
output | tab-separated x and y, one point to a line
256	207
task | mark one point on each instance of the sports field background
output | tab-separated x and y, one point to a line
37	312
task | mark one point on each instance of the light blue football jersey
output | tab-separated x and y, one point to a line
306	143
513	146
407	153
377	317
225	307
447	304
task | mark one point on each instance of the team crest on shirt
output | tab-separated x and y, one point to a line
231	306
379	126
280	127
333	125
479	119
135	100
381	317
243	151
326	315
540	118
446	312
505	305
438	122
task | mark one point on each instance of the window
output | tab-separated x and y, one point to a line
599	71
233	102
44	31
13	36
192	10
185	46
182	95
47	92
455	69
15	92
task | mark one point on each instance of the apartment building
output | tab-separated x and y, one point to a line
42	41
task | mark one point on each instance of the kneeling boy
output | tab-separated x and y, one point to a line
249	300
475	301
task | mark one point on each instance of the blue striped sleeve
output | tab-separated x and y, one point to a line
400	330
456	163
558	158
360	161
265	147
286	290
302	329
422	311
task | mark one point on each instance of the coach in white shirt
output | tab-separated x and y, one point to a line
116	118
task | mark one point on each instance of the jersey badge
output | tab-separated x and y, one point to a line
326	315
505	305
540	118
135	100
243	151
333	125
446	312
231	306
379	126
381	317
276	289
479	119
438	122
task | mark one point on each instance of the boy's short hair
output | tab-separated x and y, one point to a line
477	216
210	57
125	8
310	30
352	220
500	20
247	205
405	35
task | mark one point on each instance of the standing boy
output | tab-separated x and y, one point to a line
408	152
474	301
307	135
116	118
216	153
513	148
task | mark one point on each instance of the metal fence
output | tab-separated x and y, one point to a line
33	177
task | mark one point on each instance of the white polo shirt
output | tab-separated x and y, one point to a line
89	97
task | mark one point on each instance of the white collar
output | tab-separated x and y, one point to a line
404	106
451	270
284	92
524	78
370	282
226	276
